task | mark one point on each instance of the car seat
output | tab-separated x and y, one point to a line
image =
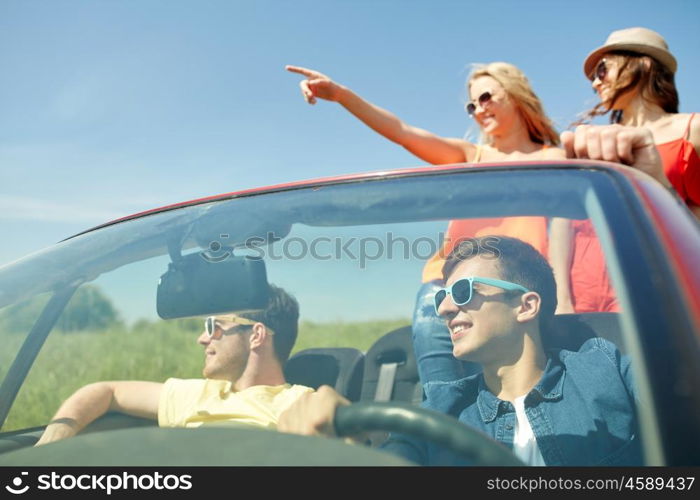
569	331
391	373
339	367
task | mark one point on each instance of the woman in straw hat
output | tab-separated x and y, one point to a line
633	74
514	127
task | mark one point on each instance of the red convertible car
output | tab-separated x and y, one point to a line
116	302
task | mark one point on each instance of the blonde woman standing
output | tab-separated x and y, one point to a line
514	127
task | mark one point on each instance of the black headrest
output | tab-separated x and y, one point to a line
339	367
394	347
569	331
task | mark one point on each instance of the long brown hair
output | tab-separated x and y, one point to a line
517	86
654	81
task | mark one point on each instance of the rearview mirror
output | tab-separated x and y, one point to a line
194	286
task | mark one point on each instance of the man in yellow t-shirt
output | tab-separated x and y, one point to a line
243	378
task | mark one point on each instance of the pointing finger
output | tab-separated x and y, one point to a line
302	71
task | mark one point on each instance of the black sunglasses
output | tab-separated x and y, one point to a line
601	71
483	100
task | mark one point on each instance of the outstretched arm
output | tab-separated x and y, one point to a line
87	404
425	145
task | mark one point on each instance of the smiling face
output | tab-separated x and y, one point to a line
607	78
226	357
486	329
497	117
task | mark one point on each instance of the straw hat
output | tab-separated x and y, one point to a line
640	40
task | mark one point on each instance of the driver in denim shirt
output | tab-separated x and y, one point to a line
554	407
579	406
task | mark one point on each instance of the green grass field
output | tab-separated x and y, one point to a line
147	351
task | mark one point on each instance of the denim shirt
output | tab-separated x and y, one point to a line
582	411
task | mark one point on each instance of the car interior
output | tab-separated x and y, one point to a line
188	275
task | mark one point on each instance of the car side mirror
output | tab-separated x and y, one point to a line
195	286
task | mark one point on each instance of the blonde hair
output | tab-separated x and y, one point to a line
518	88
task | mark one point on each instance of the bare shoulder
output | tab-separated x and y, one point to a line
694	133
671	127
679	123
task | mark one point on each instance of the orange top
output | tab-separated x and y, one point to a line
682	166
591	289
532	230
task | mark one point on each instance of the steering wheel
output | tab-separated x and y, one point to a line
427	425
149	446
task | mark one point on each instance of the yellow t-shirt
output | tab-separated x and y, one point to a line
191	403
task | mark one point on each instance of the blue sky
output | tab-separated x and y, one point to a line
112	107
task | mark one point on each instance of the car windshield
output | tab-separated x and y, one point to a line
353	253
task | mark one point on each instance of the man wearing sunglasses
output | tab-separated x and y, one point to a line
244	381
551	407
